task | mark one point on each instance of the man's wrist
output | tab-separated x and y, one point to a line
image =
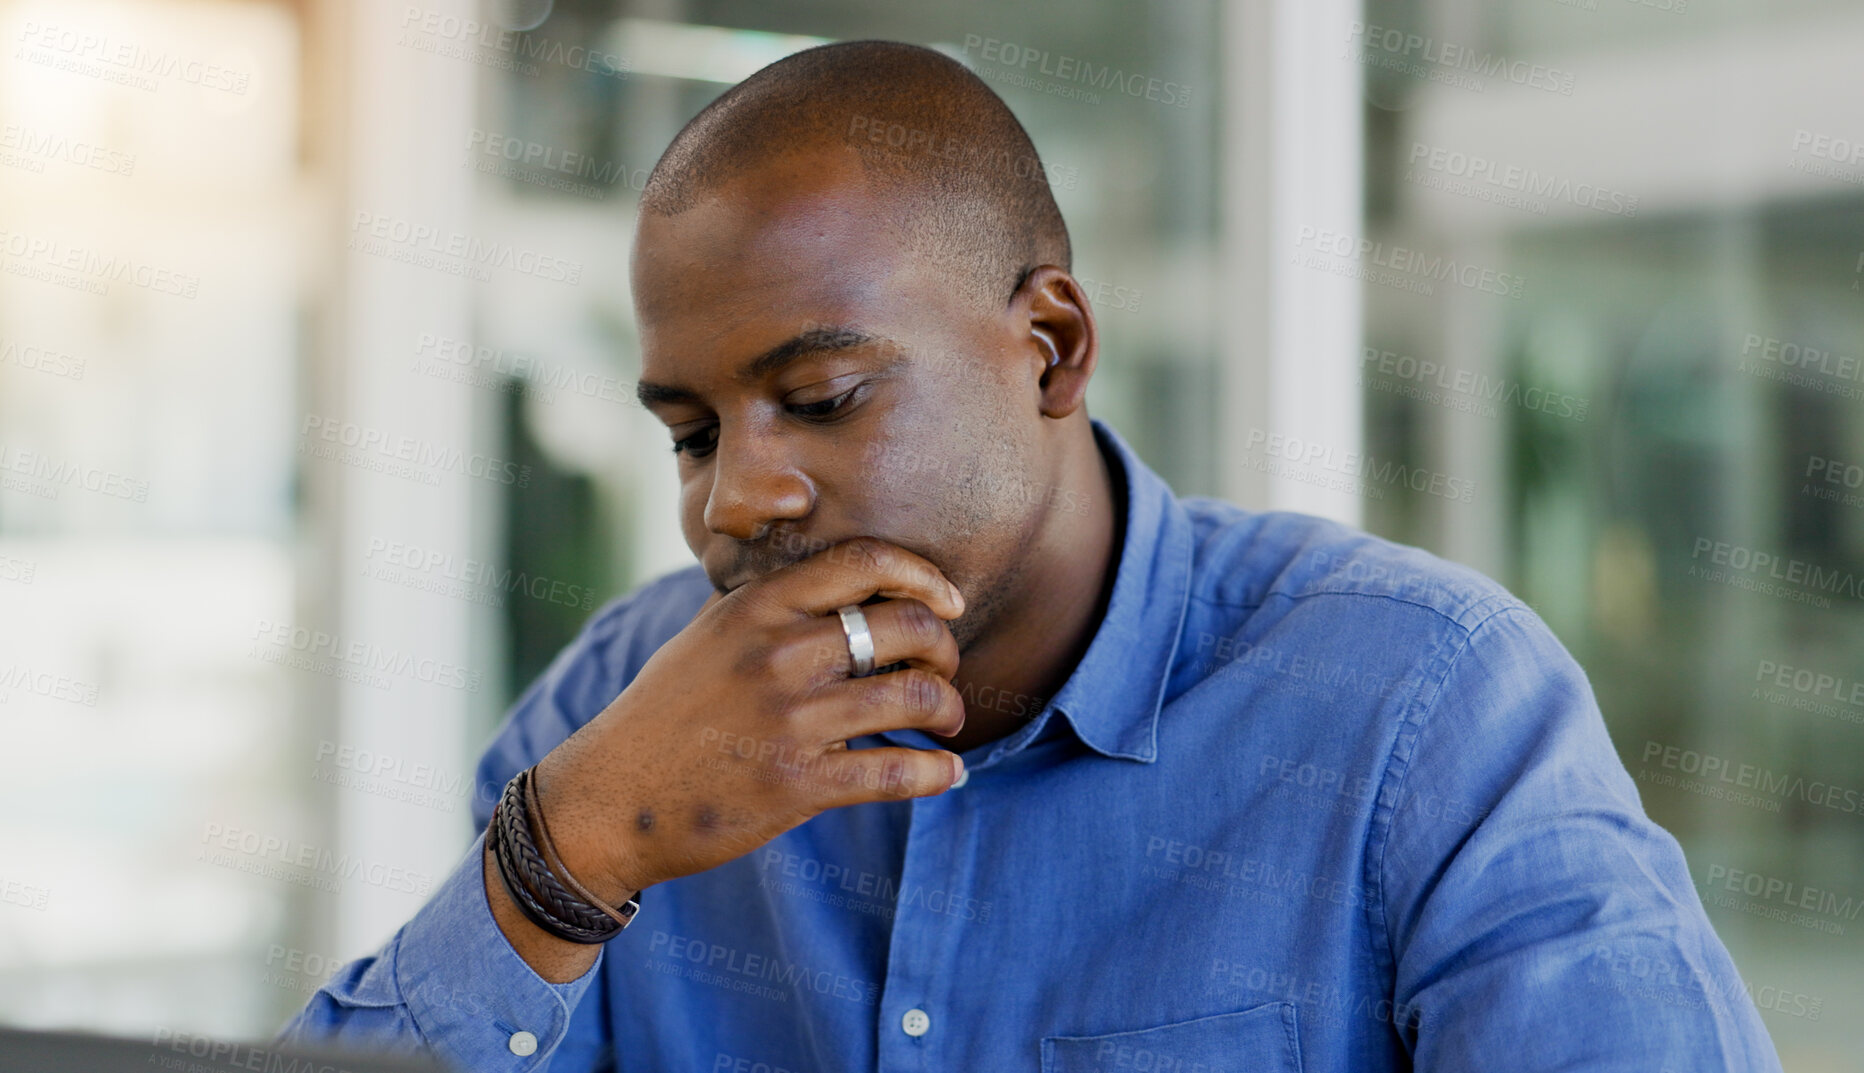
602	865
543	888
556	960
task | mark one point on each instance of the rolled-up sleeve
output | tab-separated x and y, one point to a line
1529	906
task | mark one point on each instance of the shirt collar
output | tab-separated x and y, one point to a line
1112	699
1114	695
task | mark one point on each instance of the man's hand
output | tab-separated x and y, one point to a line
736	729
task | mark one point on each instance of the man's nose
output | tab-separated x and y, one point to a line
754	484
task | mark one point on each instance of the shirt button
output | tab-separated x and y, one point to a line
522	1044
915	1022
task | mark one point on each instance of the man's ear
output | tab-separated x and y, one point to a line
1062	340
1048	344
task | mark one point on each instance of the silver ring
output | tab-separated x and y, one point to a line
860	640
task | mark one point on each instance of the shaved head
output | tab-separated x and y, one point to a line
964	184
857	319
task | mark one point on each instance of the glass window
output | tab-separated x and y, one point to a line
1664	423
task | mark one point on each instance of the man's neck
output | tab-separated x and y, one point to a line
1049	622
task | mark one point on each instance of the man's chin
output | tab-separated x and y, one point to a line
967	629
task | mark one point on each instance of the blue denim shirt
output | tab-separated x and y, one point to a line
1312	801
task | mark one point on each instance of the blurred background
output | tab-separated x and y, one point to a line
317	440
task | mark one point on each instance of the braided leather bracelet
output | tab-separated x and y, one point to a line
542	887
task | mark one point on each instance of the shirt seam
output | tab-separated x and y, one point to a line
1397	767
1511	602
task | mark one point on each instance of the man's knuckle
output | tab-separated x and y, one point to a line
922	693
825	666
755	661
777	700
919	624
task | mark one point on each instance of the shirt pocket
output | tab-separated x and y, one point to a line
1260	1039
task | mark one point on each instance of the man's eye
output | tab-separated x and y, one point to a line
699	443
825	407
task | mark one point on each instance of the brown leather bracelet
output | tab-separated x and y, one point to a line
542	888
622	917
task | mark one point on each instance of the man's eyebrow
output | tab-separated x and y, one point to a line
813	341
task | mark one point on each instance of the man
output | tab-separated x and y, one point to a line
1239	791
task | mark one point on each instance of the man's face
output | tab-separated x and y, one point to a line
819	383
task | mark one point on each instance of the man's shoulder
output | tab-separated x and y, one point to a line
629	628
1250	559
